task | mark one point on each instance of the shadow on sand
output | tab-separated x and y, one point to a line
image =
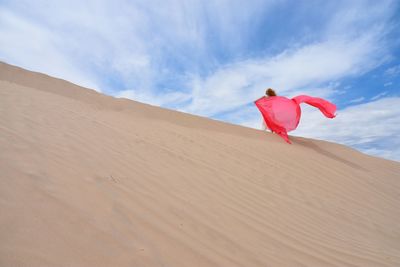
311	145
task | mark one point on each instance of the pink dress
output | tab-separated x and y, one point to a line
282	114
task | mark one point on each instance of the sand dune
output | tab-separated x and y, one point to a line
90	180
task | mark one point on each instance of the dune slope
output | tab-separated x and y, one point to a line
90	180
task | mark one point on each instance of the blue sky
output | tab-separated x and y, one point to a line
214	58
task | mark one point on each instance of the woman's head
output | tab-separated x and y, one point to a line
270	92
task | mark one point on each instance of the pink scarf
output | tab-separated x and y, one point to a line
282	114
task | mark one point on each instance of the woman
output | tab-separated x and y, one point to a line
270	92
282	115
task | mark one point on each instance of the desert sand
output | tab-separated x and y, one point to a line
91	180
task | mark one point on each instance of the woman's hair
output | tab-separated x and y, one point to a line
270	92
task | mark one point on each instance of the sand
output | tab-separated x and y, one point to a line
90	180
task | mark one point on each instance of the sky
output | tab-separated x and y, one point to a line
214	58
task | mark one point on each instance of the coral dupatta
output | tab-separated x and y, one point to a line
282	115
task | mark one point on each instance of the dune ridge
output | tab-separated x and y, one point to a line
91	180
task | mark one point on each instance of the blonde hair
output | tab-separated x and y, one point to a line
270	92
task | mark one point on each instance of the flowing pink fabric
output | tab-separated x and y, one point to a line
282	114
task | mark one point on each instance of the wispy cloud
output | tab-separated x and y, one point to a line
387	84
28	44
370	127
379	96
305	69
393	71
357	100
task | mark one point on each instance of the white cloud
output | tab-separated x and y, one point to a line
75	39
301	70
379	96
387	84
96	42
371	127
131	42
352	44
27	44
357	100
393	71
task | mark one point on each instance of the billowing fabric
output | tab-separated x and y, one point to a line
282	115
